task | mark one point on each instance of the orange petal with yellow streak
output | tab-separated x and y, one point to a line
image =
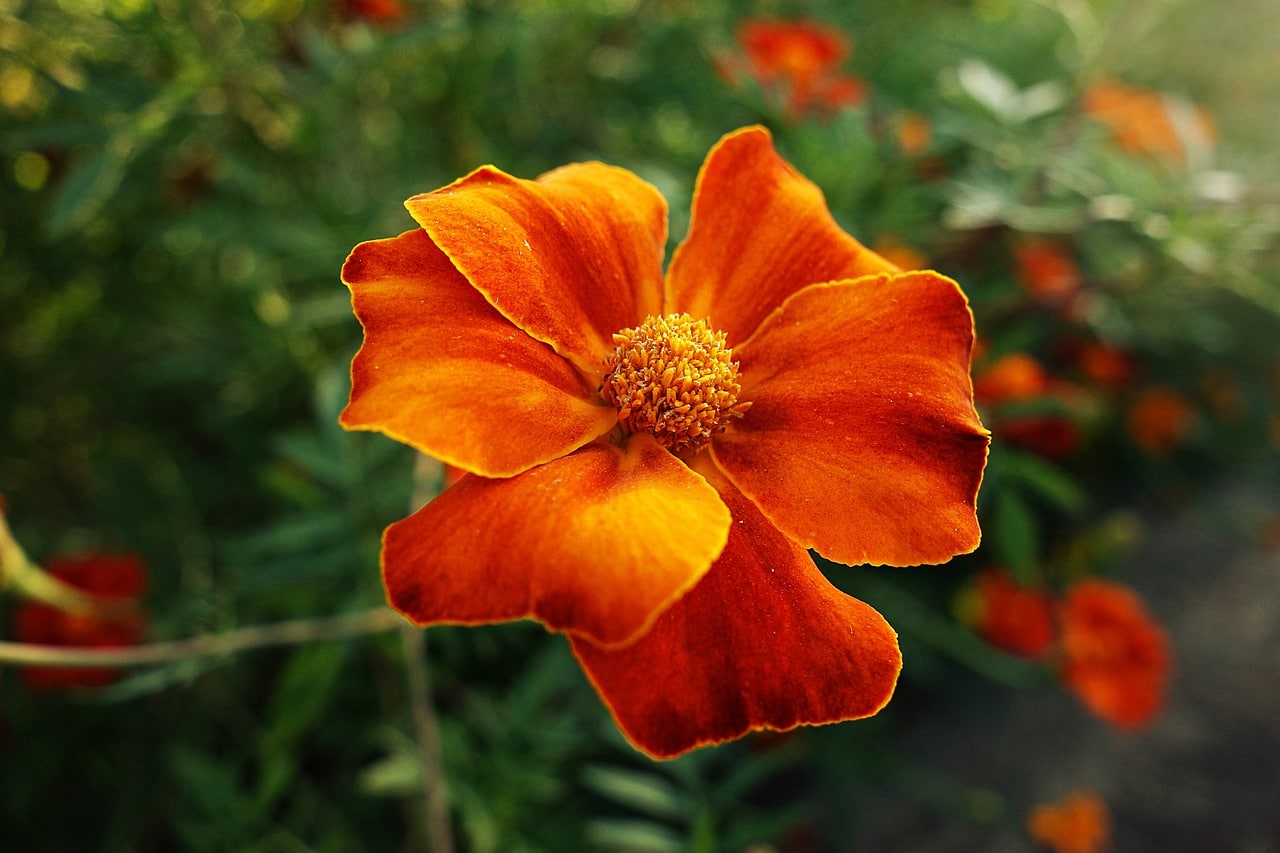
759	232
599	542
442	371
762	642
862	441
570	258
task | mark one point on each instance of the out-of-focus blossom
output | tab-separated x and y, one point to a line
799	61
1107	367
1011	617
913	133
1046	269
1018	378
1080	823
381	12
1160	419
1149	123
1115	657
118	577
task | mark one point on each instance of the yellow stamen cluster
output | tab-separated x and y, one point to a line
674	378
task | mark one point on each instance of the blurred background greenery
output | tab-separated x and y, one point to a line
182	180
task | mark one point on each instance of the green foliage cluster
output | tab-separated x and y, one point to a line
181	182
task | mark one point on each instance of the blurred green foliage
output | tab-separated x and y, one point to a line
181	181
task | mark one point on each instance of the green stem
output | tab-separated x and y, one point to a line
291	633
18	573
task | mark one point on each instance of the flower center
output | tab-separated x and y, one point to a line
674	378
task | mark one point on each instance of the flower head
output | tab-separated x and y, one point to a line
799	59
651	455
1115	657
112	576
1149	123
1011	617
1080	823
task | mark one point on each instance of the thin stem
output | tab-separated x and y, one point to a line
291	633
19	573
427	733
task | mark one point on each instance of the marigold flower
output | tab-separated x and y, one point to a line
800	59
1146	122
650	457
114	576
1081	823
1011	617
1115	657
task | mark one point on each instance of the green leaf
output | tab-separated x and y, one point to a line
1015	534
647	793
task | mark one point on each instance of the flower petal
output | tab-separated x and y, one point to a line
862	441
442	371
599	542
570	258
762	642
760	231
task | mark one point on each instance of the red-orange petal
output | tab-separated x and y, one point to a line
862	441
570	258
599	542
442	371
763	642
760	231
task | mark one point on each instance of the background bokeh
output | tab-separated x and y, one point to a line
181	181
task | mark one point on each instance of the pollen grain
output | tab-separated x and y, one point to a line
674	378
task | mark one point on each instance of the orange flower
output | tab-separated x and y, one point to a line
1146	122
114	576
1115	657
1011	617
1080	823
913	132
655	454
1106	366
800	59
1160	419
1019	378
1046	270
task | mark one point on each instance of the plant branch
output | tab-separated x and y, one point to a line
291	633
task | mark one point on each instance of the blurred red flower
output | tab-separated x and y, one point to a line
800	60
112	576
1081	823
1115	656
375	11
1011	617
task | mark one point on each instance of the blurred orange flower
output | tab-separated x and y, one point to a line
800	60
649	456
1011	617
1046	269
1081	823
115	576
913	133
1106	366
1020	378
1147	122
1115	656
1160	419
